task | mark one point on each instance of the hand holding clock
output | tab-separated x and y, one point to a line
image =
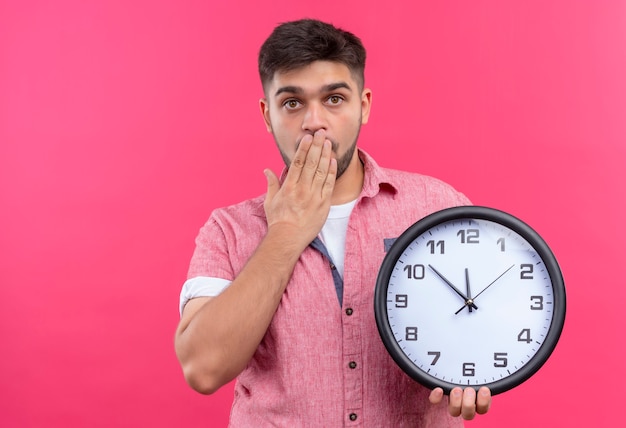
466	403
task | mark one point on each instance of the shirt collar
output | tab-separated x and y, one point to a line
376	178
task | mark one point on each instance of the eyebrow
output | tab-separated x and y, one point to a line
327	88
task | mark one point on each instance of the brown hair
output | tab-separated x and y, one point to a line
296	44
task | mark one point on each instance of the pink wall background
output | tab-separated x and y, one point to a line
123	124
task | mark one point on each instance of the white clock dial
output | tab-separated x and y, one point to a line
469	302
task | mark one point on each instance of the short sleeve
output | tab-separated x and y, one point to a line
201	286
211	255
210	270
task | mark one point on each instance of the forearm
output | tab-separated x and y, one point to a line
215	343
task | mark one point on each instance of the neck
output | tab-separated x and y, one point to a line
348	187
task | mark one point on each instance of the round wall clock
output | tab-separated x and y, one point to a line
470	296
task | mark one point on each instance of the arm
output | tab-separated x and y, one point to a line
217	336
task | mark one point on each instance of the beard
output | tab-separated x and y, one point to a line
344	161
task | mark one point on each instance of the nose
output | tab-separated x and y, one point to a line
314	118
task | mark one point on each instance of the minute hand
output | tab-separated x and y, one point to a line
463	296
492	282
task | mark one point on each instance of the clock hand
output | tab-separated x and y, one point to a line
485	289
468	302
468	289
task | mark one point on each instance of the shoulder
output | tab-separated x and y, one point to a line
241	211
246	218
228	238
408	185
406	197
415	187
412	181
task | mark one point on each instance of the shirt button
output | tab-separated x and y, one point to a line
333	267
353	416
349	311
352	365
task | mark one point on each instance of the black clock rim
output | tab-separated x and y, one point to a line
479	213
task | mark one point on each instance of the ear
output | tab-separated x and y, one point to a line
366	104
265	112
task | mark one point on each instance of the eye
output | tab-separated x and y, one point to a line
335	100
291	104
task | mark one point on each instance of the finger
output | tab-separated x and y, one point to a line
331	177
468	407
483	400
323	163
323	166
273	185
436	396
455	400
299	160
311	167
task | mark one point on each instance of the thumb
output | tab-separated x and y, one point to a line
272	183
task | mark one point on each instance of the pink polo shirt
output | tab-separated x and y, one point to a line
321	364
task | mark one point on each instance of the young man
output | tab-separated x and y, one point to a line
280	287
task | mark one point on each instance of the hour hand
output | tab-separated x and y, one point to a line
468	302
468	289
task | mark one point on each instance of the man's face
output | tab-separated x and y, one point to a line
322	95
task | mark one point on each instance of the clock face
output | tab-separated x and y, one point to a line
470	296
